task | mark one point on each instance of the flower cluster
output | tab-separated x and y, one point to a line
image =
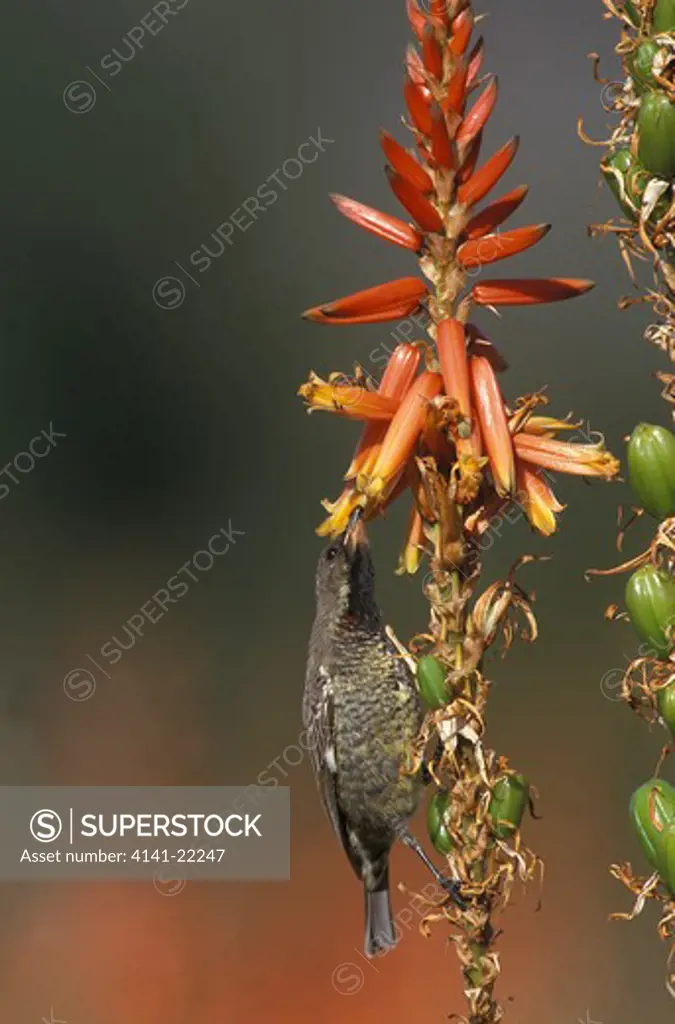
439	407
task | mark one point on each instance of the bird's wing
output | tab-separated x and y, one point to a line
318	717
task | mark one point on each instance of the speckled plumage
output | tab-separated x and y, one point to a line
362	711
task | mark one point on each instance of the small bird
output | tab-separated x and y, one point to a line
362	712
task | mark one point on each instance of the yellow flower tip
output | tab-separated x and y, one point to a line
564	457
325	529
409	562
340	511
347	399
503	476
542	519
549	426
537	499
411	557
599	461
314	392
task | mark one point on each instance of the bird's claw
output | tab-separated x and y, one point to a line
454	891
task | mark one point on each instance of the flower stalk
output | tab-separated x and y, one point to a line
639	167
447	439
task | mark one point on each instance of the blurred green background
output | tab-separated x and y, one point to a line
182	420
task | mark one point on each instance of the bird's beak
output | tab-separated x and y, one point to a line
355	535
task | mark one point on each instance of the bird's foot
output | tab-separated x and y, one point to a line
454	891
449	885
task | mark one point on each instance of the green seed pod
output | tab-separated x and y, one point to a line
652	810
628	180
438	832
651	466
641	63
650	598
656	134
615	169
431	681
666	867
665	699
664	16
510	797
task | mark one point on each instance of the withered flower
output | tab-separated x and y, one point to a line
563	457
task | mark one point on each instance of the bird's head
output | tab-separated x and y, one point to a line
345	576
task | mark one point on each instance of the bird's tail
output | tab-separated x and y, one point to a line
380	934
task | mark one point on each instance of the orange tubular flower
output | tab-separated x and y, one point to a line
351	499
528	292
477	118
418	105
442	148
538	500
452	356
417	20
462	27
396	381
391	229
417	205
451	346
470	160
475	63
439	182
564	457
405	164
456	95
487	176
432	55
352	401
340	512
383	302
411	557
402	435
491	248
494	426
495	213
400	371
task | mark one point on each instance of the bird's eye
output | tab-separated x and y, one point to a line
331	553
